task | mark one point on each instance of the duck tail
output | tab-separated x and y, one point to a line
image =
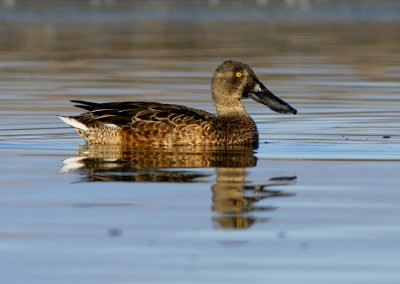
85	105
73	122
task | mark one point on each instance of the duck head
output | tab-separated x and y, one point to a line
234	81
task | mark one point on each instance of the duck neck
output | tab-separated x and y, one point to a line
227	102
232	110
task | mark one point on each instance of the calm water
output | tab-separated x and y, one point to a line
317	202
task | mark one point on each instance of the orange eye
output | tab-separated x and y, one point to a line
238	74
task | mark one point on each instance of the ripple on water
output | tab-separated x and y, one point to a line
319	194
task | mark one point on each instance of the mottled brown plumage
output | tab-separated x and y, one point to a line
150	123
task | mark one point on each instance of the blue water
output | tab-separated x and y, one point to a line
316	202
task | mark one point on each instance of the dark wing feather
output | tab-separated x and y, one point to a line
124	113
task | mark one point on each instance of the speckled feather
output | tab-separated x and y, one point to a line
159	124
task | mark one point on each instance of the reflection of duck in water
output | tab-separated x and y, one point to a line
153	163
233	198
148	123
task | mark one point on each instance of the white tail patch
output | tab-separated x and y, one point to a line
73	122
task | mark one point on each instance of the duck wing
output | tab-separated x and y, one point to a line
122	114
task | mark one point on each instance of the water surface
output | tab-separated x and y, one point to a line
316	202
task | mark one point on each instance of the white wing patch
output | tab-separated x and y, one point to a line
73	122
110	125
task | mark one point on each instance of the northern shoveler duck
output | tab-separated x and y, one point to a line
150	123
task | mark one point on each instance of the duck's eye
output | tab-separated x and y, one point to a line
238	74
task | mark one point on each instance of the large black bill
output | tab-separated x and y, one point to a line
261	94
